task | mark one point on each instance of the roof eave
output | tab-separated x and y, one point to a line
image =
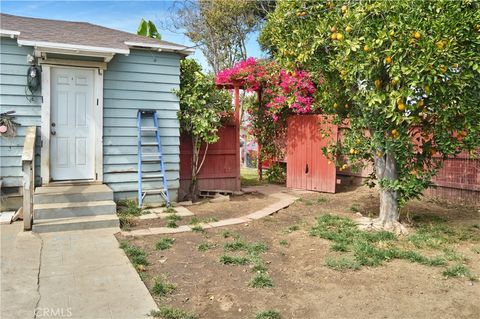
73	47
162	47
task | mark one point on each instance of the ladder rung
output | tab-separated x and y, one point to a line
149	144
154	191
146	176
149	128
151	154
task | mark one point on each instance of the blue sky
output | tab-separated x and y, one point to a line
122	15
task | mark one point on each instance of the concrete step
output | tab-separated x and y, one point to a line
75	223
73	209
72	193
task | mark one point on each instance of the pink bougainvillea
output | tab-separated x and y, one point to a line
281	90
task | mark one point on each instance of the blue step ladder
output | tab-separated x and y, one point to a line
144	157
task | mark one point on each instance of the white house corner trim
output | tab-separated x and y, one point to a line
45	125
98	113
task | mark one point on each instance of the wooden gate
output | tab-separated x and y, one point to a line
307	167
221	170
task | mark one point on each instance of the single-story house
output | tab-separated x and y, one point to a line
92	82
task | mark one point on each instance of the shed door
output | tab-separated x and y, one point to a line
307	167
72	124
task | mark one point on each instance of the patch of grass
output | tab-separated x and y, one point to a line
234	260
257	248
162	288
307	202
205	246
249	177
164	243
452	255
194	221
261	280
235	246
355	208
174	217
169	210
210	219
171	313
458	270
342	263
292	228
321	200
198	229
283	242
339	246
126	221
269	314
137	256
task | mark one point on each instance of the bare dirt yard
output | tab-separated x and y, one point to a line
309	261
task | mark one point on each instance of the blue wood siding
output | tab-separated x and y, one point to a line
143	79
13	78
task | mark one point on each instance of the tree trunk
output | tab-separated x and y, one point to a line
385	168
193	189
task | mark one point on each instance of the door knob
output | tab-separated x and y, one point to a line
52	131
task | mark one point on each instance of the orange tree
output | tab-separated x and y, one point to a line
404	73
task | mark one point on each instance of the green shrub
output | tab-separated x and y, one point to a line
276	174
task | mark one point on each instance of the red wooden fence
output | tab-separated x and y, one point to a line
221	170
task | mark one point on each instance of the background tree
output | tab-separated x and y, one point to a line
148	29
404	73
220	28
202	108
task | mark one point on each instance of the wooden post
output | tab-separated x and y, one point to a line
259	146
28	169
237	130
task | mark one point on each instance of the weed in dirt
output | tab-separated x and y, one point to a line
307	202
355	208
169	210
339	246
292	228
342	263
269	314
194	221
198	229
259	267
205	246
283	243
127	212
458	270
261	280
171	313
228	234
137	256
164	243
476	249
234	260
162	288
171	224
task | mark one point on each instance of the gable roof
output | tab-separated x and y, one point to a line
79	35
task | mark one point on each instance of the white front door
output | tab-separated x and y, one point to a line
72	124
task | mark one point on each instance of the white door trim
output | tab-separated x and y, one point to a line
45	125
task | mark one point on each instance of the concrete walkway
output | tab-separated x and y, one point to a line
285	198
75	274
